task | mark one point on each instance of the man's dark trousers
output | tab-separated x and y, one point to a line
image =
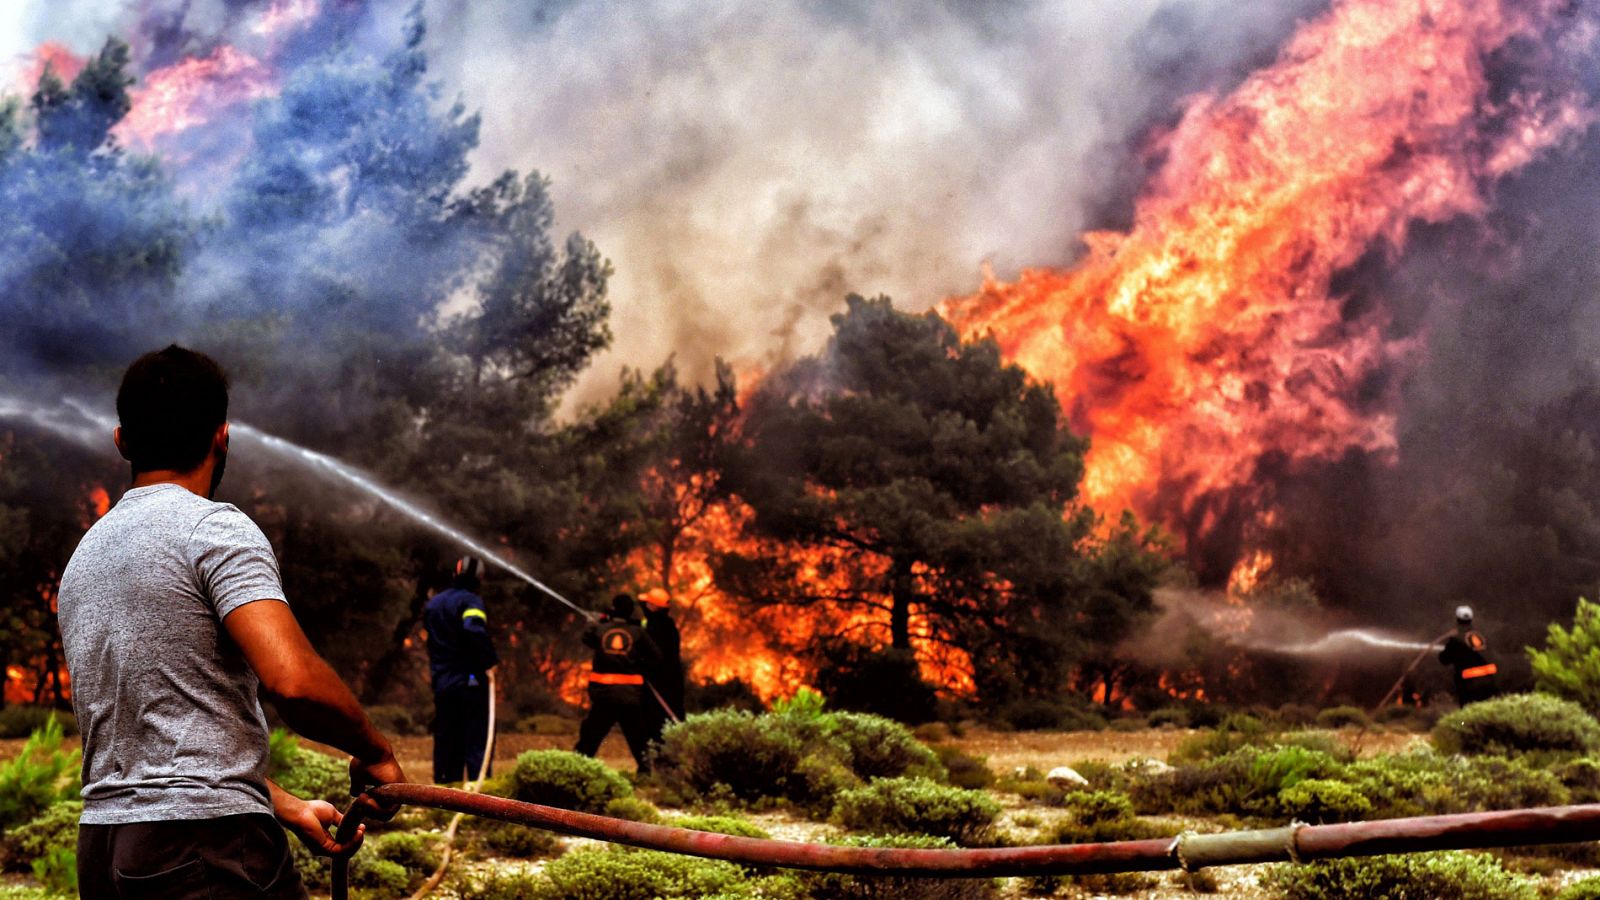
460	729
613	704
224	858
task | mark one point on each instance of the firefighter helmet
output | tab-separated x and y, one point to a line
468	573
1464	615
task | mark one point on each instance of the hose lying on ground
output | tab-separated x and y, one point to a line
1297	842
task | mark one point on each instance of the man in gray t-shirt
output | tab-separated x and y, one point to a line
173	617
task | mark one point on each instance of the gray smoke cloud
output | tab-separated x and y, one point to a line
747	164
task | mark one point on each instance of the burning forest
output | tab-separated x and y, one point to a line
1031	365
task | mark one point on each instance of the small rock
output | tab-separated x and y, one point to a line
1064	777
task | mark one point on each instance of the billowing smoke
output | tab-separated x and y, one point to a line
747	165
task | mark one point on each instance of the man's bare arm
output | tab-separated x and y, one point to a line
310	696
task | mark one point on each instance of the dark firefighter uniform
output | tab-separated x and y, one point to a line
617	695
460	656
1467	652
667	676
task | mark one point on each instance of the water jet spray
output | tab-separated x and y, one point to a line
78	423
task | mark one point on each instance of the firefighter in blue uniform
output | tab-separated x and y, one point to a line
617	692
1467	652
460	656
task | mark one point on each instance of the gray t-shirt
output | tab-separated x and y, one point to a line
172	727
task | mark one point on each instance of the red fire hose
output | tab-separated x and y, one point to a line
1293	843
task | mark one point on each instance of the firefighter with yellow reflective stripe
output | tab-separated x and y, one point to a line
460	655
623	653
1467	652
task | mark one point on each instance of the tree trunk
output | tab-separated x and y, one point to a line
902	592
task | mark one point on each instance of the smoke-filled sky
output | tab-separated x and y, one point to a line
745	165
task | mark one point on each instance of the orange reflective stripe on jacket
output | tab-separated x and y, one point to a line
615	678
1479	671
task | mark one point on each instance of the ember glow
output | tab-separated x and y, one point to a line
1207	338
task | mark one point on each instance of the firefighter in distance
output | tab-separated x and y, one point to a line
1466	651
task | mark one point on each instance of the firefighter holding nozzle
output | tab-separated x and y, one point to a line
623	653
1467	652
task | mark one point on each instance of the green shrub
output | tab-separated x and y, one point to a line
1246	781
1518	723
1569	665
1168	717
1460	876
567	780
632	808
1042	714
1295	715
721	825
737	756
34	839
882	748
1343	717
1320	800
397	720
1587	889
964	770
306	773
1581	778
1091	807
371	878
834	886
625	874
21	892
21	721
416	852
1030	784
1235	731
506	839
41	775
917	805
57	870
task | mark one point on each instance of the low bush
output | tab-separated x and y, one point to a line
732	752
567	780
732	825
20	721
1043	714
306	773
371	878
57	871
1581	778
1587	889
40	776
632	808
918	806
1030	785
1319	800
1239	730
962	769
625	874
1295	715
1343	717
56	827
1168	717
416	852
882	748
1090	807
1247	780
1460	876
506	839
849	887
1518	723
396	720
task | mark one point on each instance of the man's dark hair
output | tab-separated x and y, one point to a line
622	606
170	404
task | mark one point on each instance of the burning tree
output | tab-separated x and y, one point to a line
942	483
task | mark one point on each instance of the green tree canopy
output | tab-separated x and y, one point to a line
957	474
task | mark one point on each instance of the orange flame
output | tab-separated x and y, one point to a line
191	92
1206	337
62	61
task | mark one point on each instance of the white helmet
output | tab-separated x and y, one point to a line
1464	615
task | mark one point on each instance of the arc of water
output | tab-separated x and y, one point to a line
84	425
